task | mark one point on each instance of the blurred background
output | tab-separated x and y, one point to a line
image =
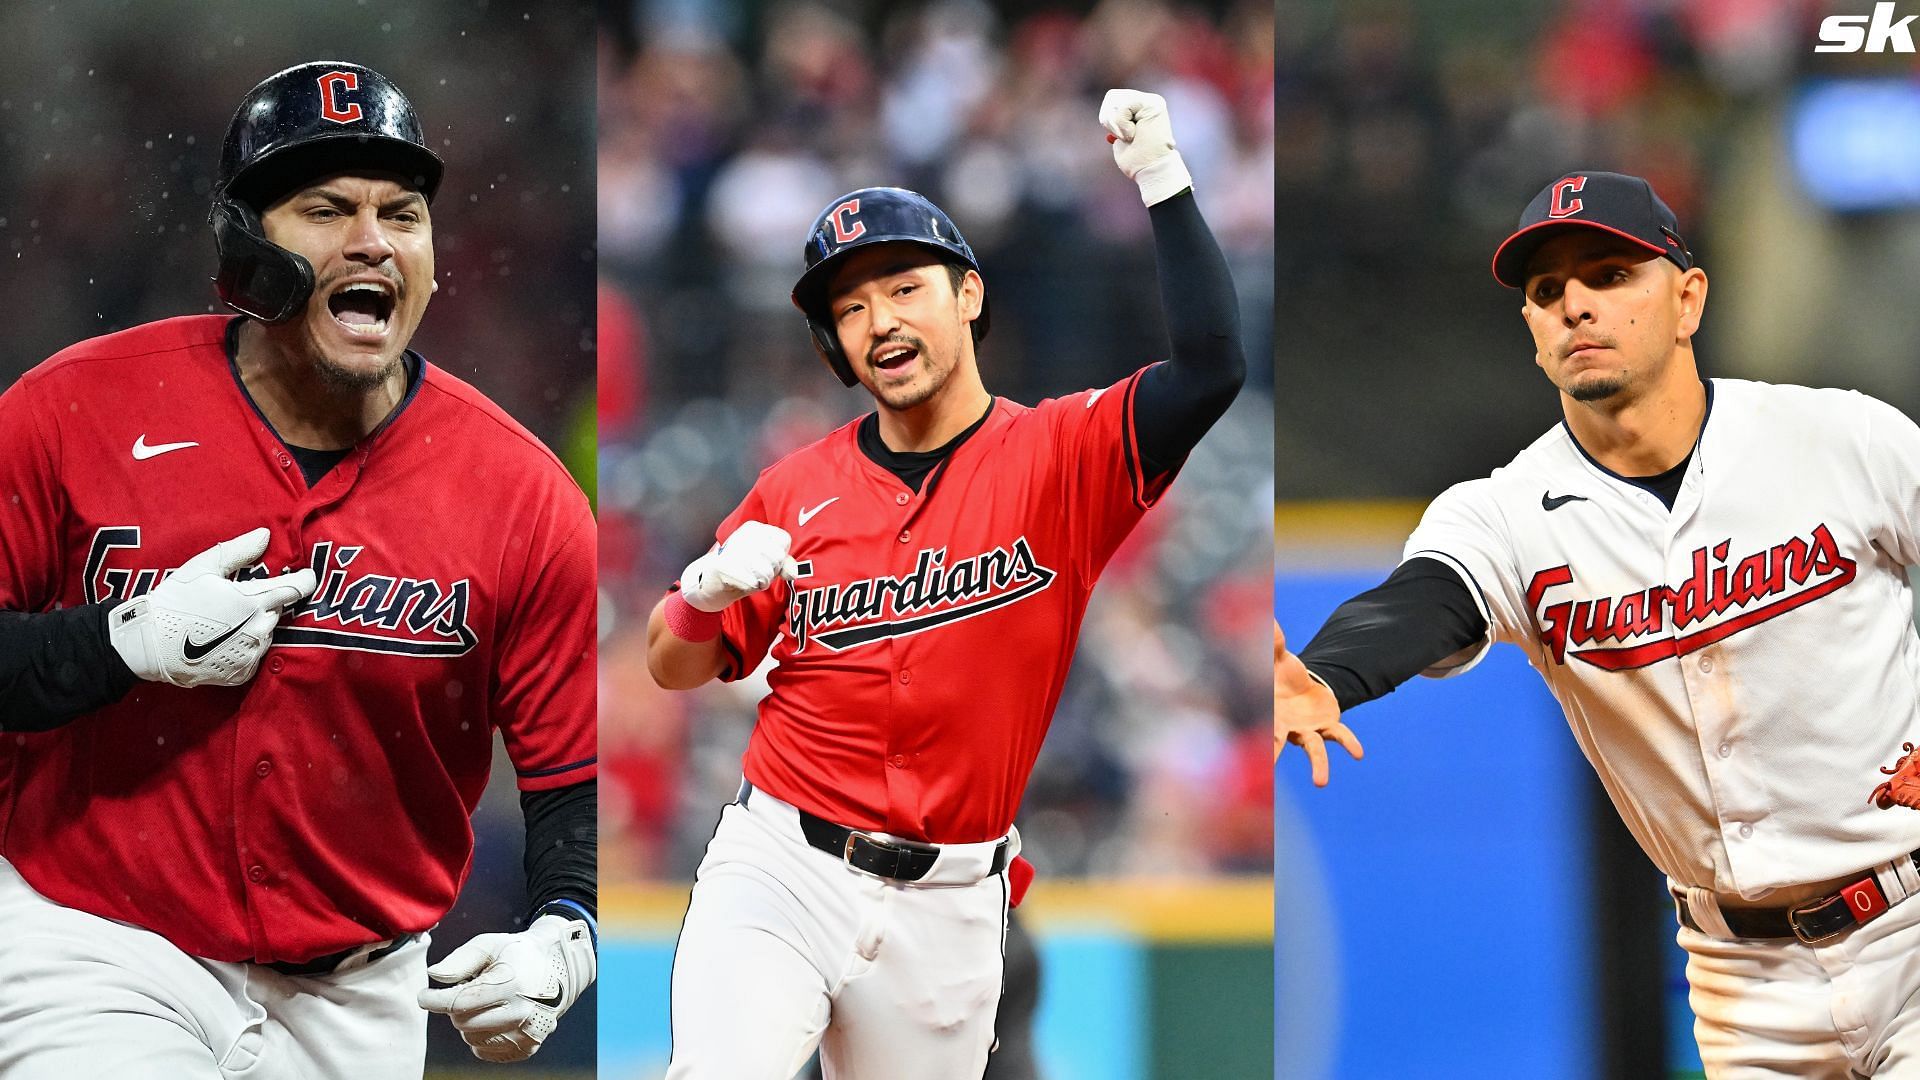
724	128
1469	889
111	119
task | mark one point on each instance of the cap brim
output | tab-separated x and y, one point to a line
1510	258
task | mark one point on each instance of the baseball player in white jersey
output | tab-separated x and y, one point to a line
1711	577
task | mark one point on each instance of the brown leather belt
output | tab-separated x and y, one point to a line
895	860
1812	921
325	965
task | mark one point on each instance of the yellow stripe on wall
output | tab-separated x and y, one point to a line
1222	910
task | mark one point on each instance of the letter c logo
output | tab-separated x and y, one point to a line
331	85
1560	207
847	228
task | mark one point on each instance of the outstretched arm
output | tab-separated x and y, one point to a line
1421	615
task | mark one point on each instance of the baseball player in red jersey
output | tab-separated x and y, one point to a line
1712	577
919	577
239	794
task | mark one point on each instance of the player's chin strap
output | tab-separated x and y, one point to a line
257	277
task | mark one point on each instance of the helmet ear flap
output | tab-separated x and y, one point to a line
827	344
257	277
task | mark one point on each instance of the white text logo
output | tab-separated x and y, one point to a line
1870	33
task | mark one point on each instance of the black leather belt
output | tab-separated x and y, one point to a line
324	965
1812	921
895	860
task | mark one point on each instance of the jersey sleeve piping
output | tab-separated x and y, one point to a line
1467	659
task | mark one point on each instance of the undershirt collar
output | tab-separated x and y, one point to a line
911	466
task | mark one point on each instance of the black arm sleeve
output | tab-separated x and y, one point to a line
1176	402
563	846
1419	616
57	665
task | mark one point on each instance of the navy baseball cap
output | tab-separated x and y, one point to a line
1614	202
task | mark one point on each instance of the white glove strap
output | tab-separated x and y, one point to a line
1163	179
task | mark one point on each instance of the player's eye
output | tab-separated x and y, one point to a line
846	311
322	213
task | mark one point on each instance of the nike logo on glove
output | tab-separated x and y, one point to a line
194	650
806	515
1551	502
142	451
550	1002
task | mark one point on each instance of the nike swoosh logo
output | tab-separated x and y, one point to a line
141	451
806	515
1095	396
194	650
1551	502
550	1002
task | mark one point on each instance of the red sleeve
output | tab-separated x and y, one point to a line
32	504
544	681
748	627
1096	452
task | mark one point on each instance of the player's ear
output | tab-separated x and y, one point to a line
1693	301
973	293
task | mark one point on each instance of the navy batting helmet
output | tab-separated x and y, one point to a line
874	215
309	121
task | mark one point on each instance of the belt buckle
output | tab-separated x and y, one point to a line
1809	907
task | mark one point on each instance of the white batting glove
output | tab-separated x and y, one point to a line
1142	137
508	992
199	626
742	565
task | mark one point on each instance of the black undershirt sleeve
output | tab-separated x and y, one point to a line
1176	402
563	845
56	666
1419	616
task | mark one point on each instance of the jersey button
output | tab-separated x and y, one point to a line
906	677
1726	750
1746	830
902	498
262	769
1706	663
274	665
285	461
905	536
256	874
898	761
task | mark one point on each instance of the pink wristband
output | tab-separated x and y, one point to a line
689	623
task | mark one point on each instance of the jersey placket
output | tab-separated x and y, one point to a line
1738	798
263	859
905	793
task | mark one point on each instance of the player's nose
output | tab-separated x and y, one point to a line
367	238
1577	303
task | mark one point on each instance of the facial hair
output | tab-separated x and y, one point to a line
915	396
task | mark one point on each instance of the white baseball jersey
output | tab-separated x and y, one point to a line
1739	668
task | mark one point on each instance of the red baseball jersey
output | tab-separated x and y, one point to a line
327	803
924	644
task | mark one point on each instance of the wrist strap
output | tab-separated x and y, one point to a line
689	623
572	909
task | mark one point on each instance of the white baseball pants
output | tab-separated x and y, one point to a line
1846	1008
83	996
786	948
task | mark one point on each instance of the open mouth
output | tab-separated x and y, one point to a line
363	307
891	357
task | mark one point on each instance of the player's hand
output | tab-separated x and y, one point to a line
199	626
507	992
742	565
1305	711
1142	137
